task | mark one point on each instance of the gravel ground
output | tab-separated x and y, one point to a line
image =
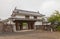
31	35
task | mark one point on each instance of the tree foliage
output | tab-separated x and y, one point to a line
55	18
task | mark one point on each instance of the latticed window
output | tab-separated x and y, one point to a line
35	17
27	17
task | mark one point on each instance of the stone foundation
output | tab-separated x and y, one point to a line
8	28
1	27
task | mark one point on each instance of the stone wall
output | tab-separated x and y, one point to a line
8	28
39	27
1	27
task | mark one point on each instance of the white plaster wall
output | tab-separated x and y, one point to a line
47	24
44	24
14	28
21	16
38	23
10	22
31	17
39	17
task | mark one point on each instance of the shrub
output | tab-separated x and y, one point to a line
58	28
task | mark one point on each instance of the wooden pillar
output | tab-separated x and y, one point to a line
21	26
32	25
29	25
16	23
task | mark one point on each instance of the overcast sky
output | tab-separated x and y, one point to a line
45	7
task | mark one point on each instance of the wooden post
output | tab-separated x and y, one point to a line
32	25
16	23
21	27
29	25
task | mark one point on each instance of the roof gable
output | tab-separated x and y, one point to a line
25	12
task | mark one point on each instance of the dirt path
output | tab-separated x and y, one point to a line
31	35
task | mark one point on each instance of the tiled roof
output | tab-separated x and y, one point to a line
26	19
25	12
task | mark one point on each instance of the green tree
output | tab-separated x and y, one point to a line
55	20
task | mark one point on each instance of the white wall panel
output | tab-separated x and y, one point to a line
39	17
38	23
21	16
31	17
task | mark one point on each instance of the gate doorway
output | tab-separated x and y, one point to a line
24	25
